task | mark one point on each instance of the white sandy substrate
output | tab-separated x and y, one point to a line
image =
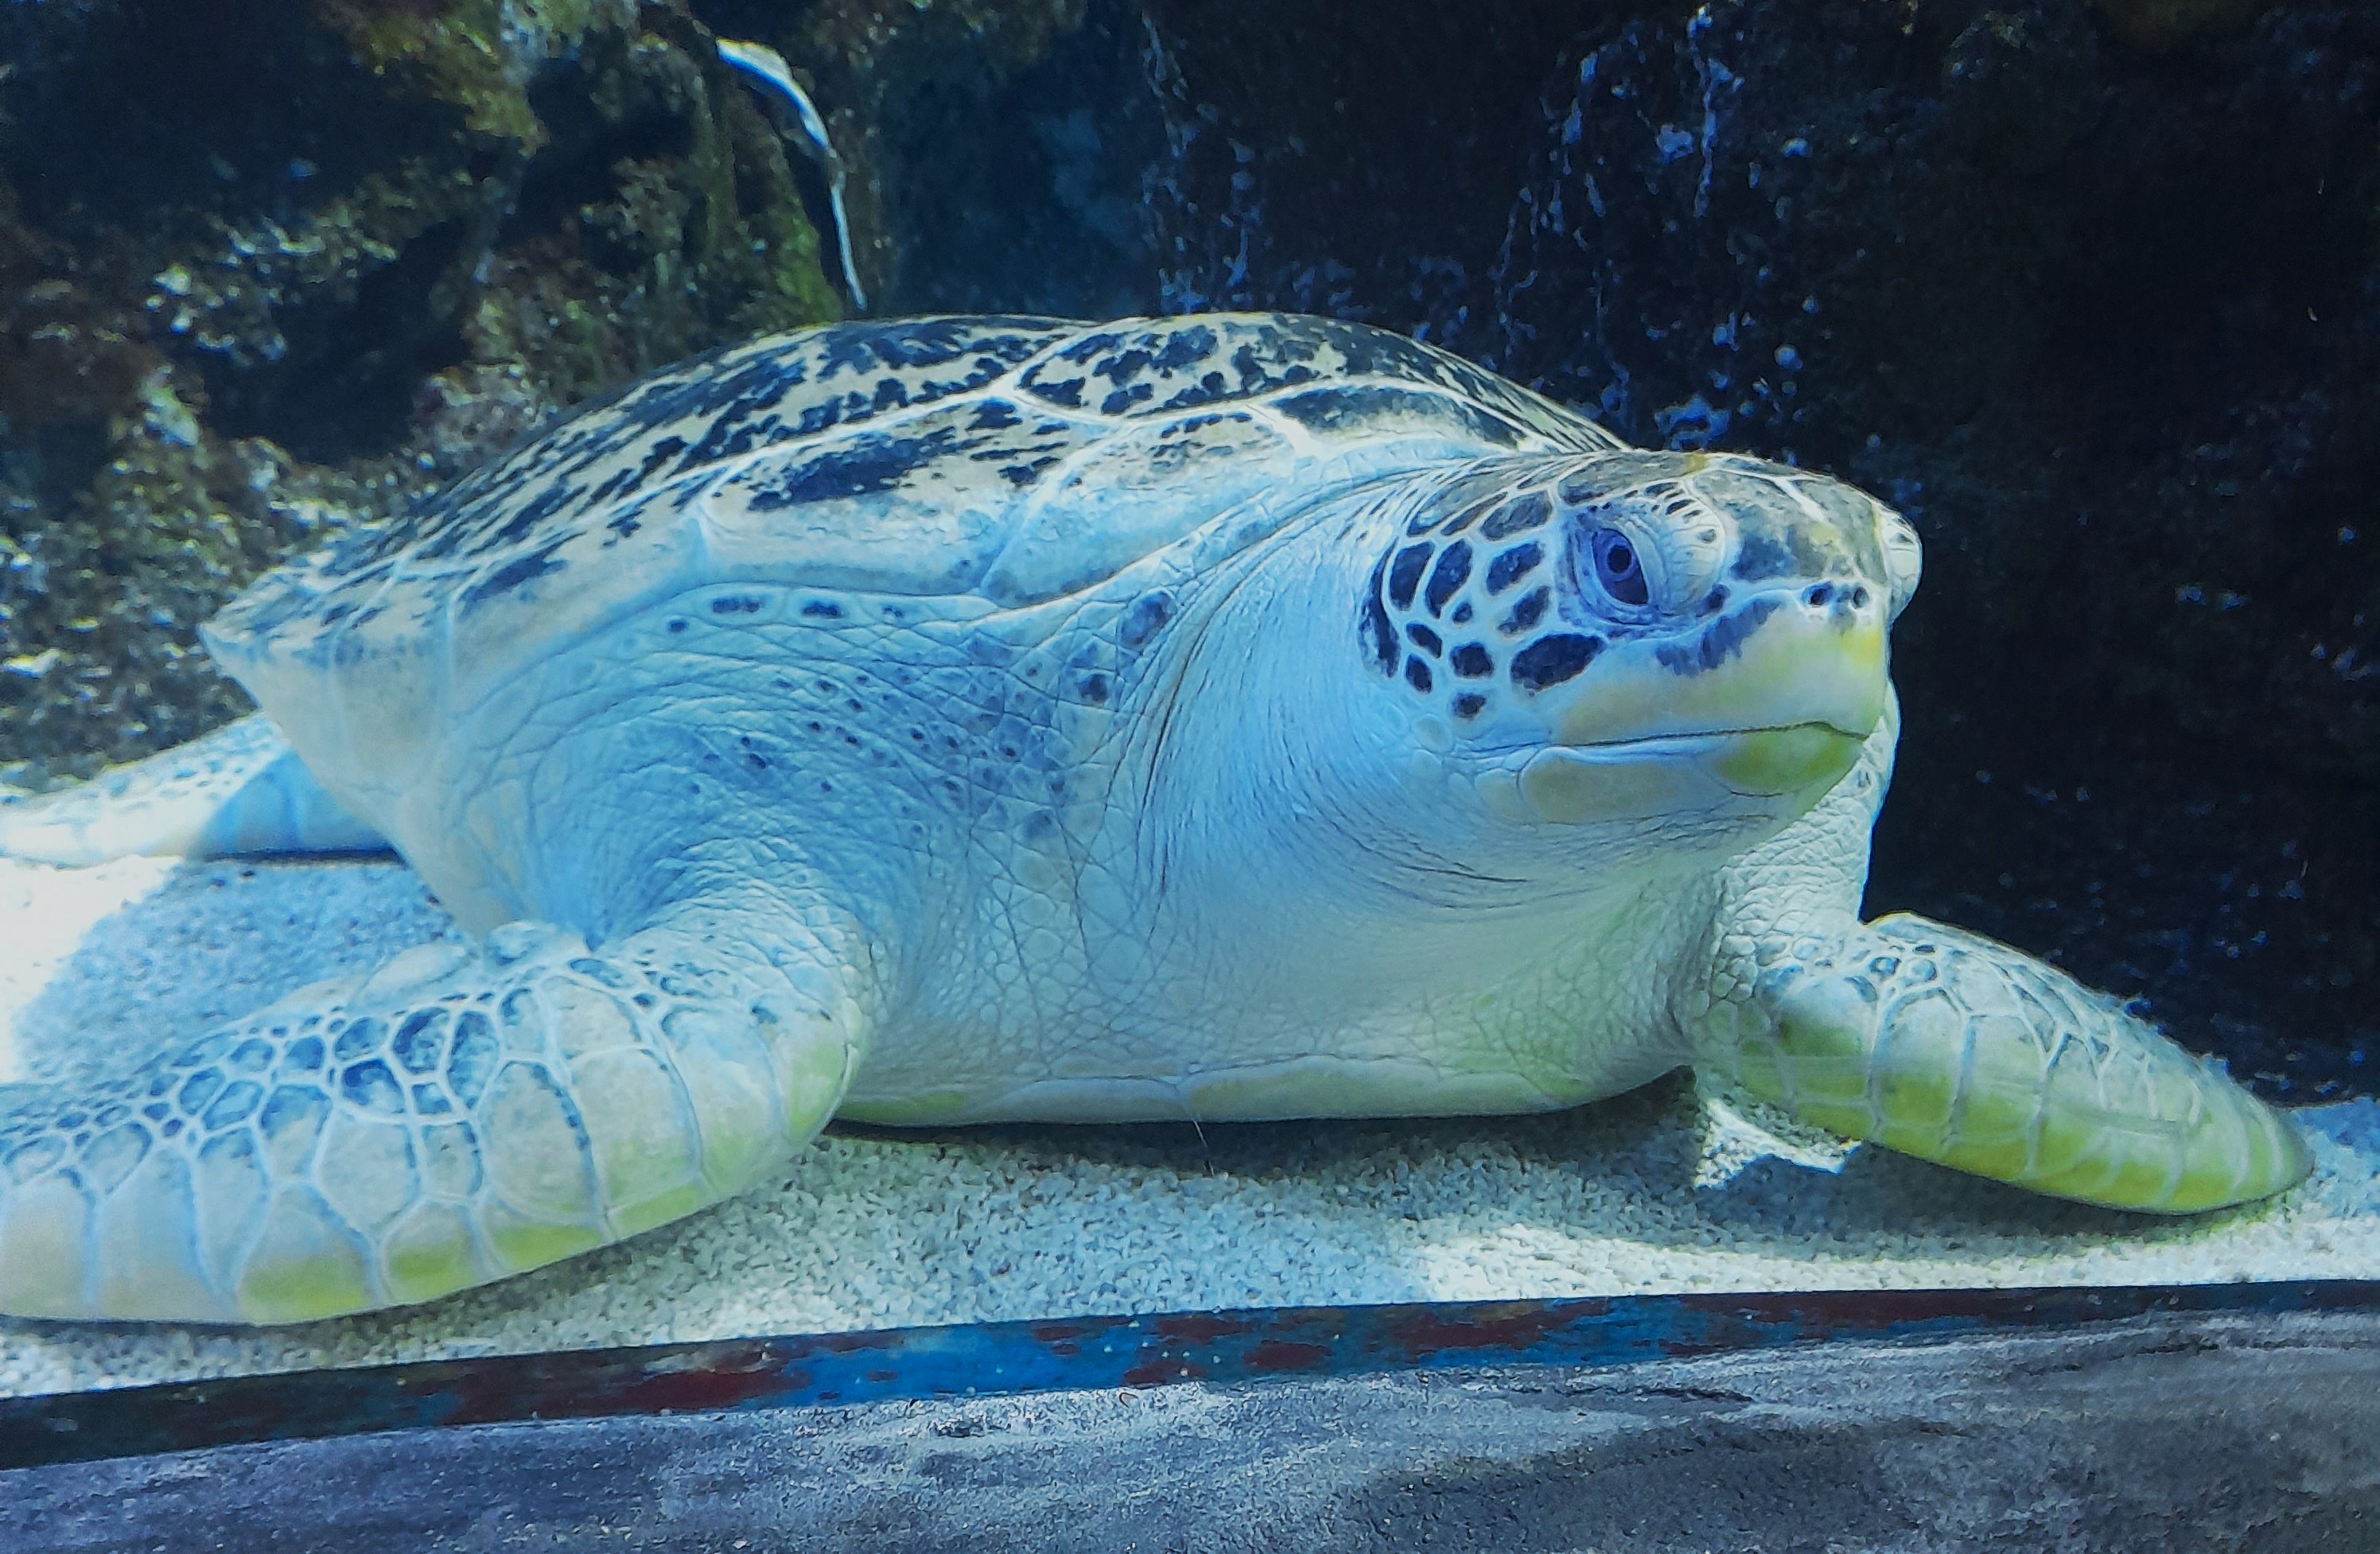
872	1229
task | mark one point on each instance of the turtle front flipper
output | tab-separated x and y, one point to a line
1956	1049
239	790
455	1117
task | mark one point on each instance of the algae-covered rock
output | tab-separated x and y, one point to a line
173	521
480	57
271	269
2162	24
995	146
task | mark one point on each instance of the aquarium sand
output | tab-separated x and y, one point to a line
1655	1191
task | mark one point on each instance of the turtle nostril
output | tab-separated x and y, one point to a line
1849	596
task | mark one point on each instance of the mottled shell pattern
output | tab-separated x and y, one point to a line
1011	460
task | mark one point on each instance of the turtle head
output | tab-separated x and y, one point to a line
1638	637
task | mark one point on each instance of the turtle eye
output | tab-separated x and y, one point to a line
1618	569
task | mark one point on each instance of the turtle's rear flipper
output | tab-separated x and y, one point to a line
239	790
453	1118
1953	1048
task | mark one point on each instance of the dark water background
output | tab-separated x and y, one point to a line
2090	291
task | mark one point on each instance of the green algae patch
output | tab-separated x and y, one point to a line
479	55
2165	24
347	296
98	603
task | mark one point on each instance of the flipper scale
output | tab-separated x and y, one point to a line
1948	1046
239	790
453	1118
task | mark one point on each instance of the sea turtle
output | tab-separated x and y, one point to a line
983	719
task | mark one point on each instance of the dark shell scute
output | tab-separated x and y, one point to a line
862	466
997	343
721	405
1340	407
515	572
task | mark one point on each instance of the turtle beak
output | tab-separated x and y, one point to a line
1769	665
1767	708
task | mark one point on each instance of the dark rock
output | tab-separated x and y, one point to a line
268	270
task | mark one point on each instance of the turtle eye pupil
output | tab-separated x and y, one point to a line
1617	569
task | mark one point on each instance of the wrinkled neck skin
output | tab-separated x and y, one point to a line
1315	844
1804	884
